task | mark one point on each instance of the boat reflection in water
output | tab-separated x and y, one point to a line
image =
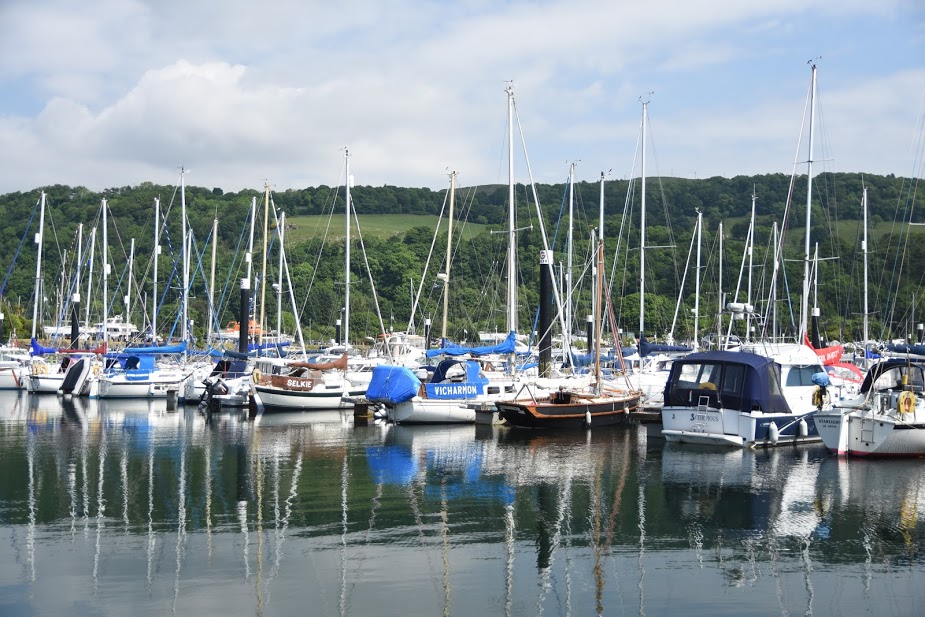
122	508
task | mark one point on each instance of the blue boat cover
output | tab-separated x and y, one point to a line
153	350
506	346
646	348
37	350
392	385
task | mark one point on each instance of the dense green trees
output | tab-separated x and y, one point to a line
478	286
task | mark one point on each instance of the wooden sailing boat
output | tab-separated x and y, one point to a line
575	408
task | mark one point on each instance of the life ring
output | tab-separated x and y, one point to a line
906	403
255	376
96	370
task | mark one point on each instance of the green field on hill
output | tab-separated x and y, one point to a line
304	228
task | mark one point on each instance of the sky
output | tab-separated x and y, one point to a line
113	93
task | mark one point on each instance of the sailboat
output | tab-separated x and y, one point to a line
764	393
652	362
574	407
136	372
887	418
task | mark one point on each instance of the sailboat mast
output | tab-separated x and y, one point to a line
263	253
185	329
596	310
212	279
751	251
346	322
449	255
128	288
38	265
105	272
80	256
281	227
719	291
568	259
864	250
809	197
511	241
697	281
157	252
90	273
642	230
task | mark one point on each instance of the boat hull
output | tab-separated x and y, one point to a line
432	411
121	386
12	378
281	400
862	433
730	427
577	413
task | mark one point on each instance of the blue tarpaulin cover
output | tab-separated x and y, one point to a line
392	385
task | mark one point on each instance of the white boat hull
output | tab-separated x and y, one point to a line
864	433
12	378
121	386
730	427
278	399
433	411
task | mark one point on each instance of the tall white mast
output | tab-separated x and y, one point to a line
80	256
511	241
263	274
697	281
809	198
568	259
642	230
346	322
449	255
751	251
90	273
128	290
39	237
212	279
719	291
281	227
157	252
105	272
185	329
864	250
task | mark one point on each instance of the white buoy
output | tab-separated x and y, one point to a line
588	419
803	428
773	433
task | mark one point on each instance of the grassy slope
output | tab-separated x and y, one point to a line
378	225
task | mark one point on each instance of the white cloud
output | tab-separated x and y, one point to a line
119	92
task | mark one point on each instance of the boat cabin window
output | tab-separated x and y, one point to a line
802	375
735	376
699	376
893	379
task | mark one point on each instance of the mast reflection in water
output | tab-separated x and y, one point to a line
116	507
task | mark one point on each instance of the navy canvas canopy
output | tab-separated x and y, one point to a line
757	385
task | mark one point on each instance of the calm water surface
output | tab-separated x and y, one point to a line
124	509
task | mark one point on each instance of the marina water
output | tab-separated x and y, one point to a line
118	508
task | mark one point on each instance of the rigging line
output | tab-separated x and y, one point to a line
311	282
371	282
19	248
430	253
